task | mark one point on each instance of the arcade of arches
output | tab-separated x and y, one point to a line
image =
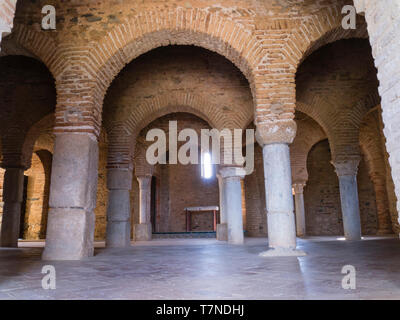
77	103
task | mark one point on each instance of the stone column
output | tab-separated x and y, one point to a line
13	188
275	139
347	173
143	230
232	200
119	184
70	227
222	227
299	206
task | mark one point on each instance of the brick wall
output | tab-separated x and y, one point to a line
322	196
22	77
367	200
336	86
254	190
174	79
164	212
373	145
102	191
188	189
36	208
181	186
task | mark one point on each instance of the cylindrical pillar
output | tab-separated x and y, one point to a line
119	183
299	206
71	220
278	186
274	137
347	173
143	230
13	188
233	202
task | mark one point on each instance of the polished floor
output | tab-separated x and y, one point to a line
207	269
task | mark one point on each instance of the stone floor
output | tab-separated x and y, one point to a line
207	269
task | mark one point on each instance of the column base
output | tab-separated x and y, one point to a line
222	232
282	252
143	232
70	234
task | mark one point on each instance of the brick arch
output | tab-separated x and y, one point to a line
342	128
46	140
312	112
16	124
318	30
152	109
37	45
122	134
151	29
44	125
309	133
41	47
346	127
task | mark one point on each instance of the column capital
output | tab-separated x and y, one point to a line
15	161
346	167
299	187
119	178
6	166
231	172
279	131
